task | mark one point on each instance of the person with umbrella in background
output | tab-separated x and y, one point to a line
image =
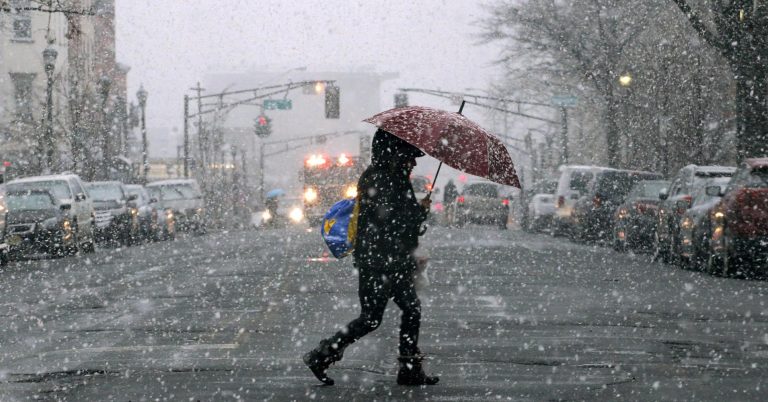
389	225
390	218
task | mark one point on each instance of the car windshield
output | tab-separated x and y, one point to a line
700	196
758	178
482	190
173	192
647	189
59	188
26	201
105	192
580	181
138	192
616	185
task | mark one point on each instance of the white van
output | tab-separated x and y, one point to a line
573	183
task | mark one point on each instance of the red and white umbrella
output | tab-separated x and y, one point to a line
452	139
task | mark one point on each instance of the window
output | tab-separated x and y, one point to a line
22	91
22	20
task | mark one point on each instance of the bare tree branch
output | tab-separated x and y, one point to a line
5	7
700	28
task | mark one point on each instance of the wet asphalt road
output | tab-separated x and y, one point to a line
507	316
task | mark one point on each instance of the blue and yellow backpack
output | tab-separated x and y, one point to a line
339	228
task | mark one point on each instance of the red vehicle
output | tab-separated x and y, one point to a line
328	180
739	240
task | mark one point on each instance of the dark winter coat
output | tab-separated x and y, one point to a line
390	217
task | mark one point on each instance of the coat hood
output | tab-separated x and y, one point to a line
388	149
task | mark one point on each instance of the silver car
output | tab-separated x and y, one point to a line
184	198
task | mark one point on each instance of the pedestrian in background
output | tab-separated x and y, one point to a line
389	225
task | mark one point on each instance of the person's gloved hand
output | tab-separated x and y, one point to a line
426	203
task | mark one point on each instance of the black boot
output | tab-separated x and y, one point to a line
319	359
411	372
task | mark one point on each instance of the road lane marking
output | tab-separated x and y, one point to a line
142	348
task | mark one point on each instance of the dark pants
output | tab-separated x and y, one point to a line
377	286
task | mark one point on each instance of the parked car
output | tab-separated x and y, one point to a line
572	183
696	224
541	206
634	221
36	223
739	239
154	223
593	212
481	203
65	189
184	198
675	200
115	219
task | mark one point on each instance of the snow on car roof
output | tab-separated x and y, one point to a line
172	182
713	169
757	162
101	183
33	179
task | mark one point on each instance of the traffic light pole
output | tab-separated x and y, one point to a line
186	136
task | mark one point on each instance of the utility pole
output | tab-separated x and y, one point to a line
201	136
186	136
261	172
564	136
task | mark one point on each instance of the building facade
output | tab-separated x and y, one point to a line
88	122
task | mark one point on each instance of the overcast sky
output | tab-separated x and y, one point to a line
171	44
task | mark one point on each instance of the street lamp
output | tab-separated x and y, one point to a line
625	80
141	95
105	83
47	143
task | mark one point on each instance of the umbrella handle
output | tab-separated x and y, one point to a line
434	180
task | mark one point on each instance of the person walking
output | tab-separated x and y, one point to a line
389	225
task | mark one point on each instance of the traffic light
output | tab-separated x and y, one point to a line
332	102
401	99
263	126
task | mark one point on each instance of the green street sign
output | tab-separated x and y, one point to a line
278	104
565	100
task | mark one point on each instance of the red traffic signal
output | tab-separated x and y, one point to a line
262	121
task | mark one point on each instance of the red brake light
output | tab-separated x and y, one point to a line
460	199
505	201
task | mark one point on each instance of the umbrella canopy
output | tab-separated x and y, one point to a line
274	193
452	139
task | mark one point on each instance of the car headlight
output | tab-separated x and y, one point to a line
265	216
169	214
350	191
310	195
199	211
296	214
623	213
686	223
